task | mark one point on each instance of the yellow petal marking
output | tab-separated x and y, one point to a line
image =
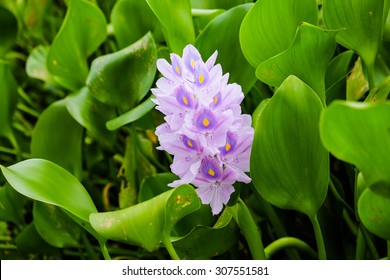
201	78
227	147
211	172
193	63
206	122
185	100
177	69
215	100
189	143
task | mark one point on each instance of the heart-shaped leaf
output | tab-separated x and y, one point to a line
307	58
81	33
176	22
374	210
132	19
222	34
149	223
36	64
58	137
363	22
123	78
289	165
8	99
358	133
270	26
92	115
45	181
9	30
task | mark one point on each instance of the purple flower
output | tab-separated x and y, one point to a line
204	129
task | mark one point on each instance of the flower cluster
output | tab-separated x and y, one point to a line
205	131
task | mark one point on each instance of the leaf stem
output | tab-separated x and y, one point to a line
104	250
319	238
360	246
289	242
171	250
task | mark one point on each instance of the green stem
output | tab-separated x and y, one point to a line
319	238
104	250
13	152
289	242
360	246
249	229
370	243
88	247
171	250
388	249
338	197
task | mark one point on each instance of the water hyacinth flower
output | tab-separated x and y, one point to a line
204	128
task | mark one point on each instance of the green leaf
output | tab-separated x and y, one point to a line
155	185
373	209
358	133
307	58
363	23
81	33
289	165
217	4
47	182
336	72
36	64
204	242
55	226
11	205
123	78
8	99
9	30
132	19
92	115
270	26
176	22
58	137
357	84
132	115
149	223
222	34
35	16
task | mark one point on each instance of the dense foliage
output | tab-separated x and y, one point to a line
82	176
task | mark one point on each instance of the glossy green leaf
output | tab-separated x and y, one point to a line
217	4
36	64
132	19
11	205
91	114
269	27
222	34
123	78
149	223
55	226
204	242
45	181
363	22
307	58
9	30
289	165
8	99
374	210
82	32
249	229
58	137
155	185
132	115
176	22
358	133
335	77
